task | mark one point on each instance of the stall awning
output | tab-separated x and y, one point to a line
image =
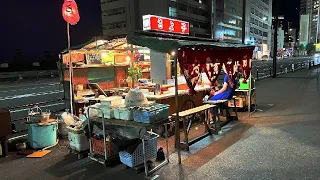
166	45
156	41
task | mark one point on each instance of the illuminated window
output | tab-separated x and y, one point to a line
172	12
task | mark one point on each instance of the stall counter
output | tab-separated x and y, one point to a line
185	101
171	95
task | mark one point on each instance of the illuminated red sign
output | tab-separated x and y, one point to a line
157	23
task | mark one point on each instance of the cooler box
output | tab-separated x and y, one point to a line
41	136
246	86
78	140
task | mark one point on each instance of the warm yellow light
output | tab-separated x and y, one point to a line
173	53
104	54
125	45
128	58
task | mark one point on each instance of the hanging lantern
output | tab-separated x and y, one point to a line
70	12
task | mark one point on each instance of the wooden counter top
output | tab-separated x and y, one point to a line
170	95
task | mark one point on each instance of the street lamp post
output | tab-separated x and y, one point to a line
275	39
243	21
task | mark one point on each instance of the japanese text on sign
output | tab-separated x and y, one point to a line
157	23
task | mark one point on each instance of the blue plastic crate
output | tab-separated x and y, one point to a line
136	157
143	115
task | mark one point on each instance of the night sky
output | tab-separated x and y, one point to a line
35	26
290	9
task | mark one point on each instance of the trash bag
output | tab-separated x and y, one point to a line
135	97
160	154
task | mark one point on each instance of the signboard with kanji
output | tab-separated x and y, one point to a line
158	23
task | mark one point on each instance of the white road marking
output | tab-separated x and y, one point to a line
15	90
30	95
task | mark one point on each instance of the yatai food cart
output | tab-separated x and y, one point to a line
110	67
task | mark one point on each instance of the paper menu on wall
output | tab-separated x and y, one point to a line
181	80
158	65
94	59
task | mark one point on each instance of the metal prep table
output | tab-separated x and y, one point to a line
106	122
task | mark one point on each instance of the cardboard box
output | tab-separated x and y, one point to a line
239	102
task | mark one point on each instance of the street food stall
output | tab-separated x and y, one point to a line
105	64
157	73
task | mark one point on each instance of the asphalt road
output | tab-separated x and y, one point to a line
16	95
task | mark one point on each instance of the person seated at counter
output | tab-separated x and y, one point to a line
227	91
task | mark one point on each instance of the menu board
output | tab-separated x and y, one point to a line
94	59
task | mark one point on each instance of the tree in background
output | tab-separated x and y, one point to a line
49	61
47	55
18	62
310	48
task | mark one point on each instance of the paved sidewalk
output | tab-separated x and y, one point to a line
282	141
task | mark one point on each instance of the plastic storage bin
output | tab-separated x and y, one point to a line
151	115
78	140
111	101
40	136
136	158
108	112
246	86
98	146
123	113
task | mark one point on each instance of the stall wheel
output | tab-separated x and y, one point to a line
140	168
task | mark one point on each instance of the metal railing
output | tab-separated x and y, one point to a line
28	74
259	74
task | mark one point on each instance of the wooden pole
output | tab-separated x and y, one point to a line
249	94
70	70
177	125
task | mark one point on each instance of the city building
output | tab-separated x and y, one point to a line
120	17
258	26
228	20
281	21
310	8
304	29
291	38
280	39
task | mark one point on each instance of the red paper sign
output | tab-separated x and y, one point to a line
246	65
191	69
212	69
157	23
231	66
70	12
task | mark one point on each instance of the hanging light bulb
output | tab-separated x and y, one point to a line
128	59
